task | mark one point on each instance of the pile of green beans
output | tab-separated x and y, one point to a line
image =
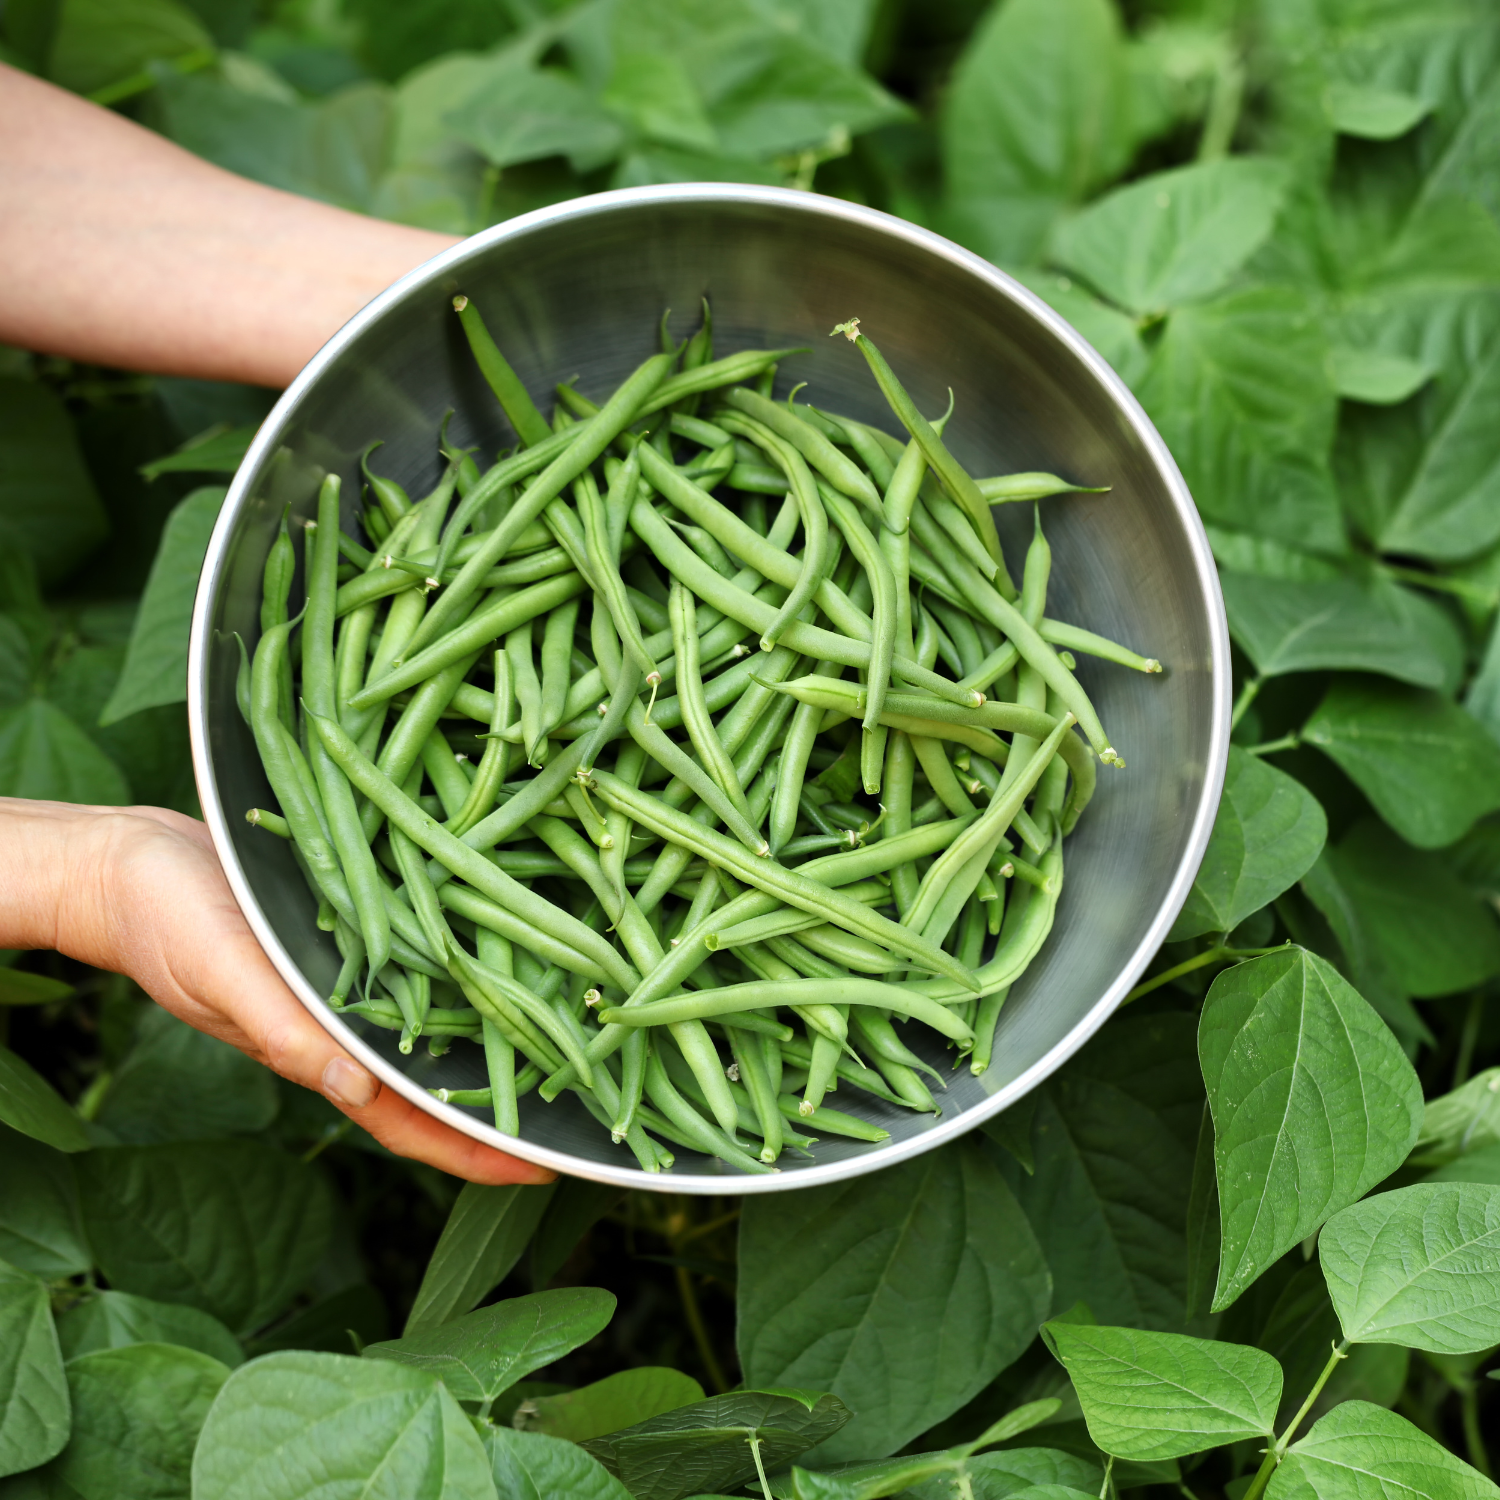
684	758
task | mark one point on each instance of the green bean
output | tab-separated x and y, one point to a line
557	664
489	914
960	533
1037	572
518	406
698	1132
794	754
879	1039
755	1076
258	817
1055	633
447	776
745	365
695	714
878	570
1001	488
490	775
392	499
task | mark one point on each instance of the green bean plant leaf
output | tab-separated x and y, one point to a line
1268	832
575	1207
216	450
617	1401
1239	388
1013	1471
828	1278
175	1083
484	1353
1375	376
531	1466
232	1227
1176	236
705	1447
15	663
1112	1136
41	1229
487	1232
34	1405
97	44
44	754
1428	766
47	496
1164	1395
30	1104
1363	1452
1424	930
1036	118
285	1424
1313	1102
155	668
1419	1266
1343	624
1463	1120
137	1412
111	1320
1373	114
25	988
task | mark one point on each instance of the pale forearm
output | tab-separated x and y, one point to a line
119	248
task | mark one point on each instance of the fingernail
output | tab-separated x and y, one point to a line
345	1082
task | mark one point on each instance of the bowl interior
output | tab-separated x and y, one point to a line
578	291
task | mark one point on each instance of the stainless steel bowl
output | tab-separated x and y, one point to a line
578	289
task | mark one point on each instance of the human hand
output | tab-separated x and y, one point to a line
139	891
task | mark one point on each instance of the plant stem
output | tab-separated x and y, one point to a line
1245	699
1467	1040
1109	1470
700	1332
1473	1435
1279	1447
760	1468
1461	588
1223	110
1198	961
1275	747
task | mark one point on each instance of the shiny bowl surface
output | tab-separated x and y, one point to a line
578	289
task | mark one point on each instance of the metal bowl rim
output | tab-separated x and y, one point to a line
1206	574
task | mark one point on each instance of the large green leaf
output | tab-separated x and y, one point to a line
1428	766
1013	1471
99	42
137	1412
705	1447
1037	117
1112	1142
1313	1101
47	498
1163	1395
1345	625
607	1405
34	1407
232	1227
1176	236
1268	832
1482	1164
44	754
1109	330
1424	927
486	1234
529	1466
178	1084
40	1226
1239	388
904	1292
219	450
486	1352
540	113
111	1320
1363	1452
1467	1119
30	1104
1419	1266
295	1425
156	662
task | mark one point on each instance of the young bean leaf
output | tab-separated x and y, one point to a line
1467	1119
40	1227
487	1232
1419	1266
111	1320
218	450
483	1353
34	1405
529	1466
1113	1136
1428	766
1176	236
137	1412
284	1425
1343	624
1164	1395
1268	831
232	1227
44	754
155	668
1239	388
30	1104
178	1084
1363	1452
1375	376
1313	1101
1375	114
943	1232
704	1446
617	1401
